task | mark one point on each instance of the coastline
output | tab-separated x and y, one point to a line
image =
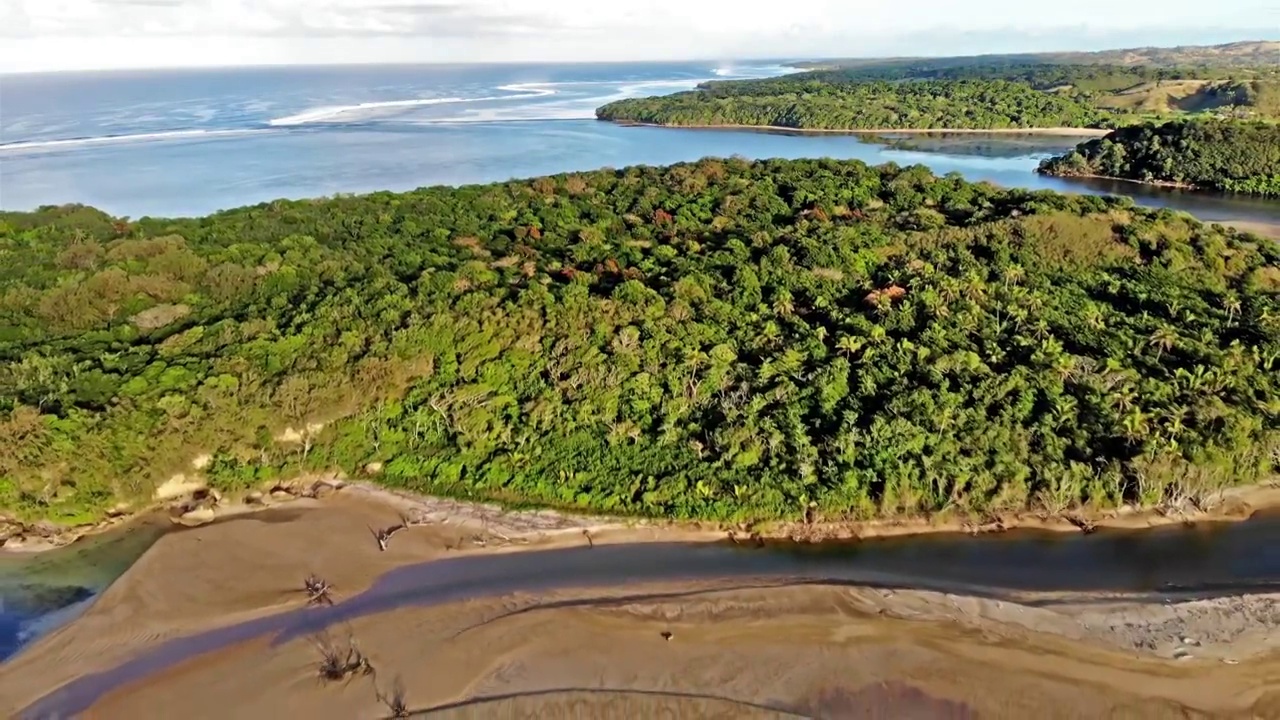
1168	185
199	629
1051	131
1233	505
1257	227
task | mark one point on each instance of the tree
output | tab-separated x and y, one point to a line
1163	340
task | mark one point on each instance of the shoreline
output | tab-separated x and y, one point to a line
199	622
1257	227
1166	184
1050	131
1233	505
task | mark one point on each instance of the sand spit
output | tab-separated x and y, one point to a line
697	648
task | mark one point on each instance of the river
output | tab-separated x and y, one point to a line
1194	560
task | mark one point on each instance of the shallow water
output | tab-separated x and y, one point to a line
40	592
1205	559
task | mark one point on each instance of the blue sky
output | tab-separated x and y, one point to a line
100	34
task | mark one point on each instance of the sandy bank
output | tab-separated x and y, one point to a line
1053	131
1262	229
1168	185
1233	504
736	650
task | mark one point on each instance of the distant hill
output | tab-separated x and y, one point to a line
995	92
1249	53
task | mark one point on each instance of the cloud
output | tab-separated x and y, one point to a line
147	3
65	34
277	18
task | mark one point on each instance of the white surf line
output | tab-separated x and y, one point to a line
585	107
329	114
106	139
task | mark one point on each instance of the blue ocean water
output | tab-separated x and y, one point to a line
194	141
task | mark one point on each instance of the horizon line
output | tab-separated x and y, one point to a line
784	61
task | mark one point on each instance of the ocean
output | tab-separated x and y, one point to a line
189	142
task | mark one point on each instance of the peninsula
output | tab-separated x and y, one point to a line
1029	92
1238	157
725	340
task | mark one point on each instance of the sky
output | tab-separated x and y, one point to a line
40	35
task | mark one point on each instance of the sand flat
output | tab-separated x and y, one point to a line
736	651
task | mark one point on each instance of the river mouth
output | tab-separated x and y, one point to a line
1150	566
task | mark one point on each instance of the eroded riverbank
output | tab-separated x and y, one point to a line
455	587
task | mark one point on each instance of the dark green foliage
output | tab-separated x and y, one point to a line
829	101
1248	54
968	93
721	339
1226	155
1041	76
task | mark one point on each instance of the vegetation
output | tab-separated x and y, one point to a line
725	339
985	92
823	101
1234	156
1246	54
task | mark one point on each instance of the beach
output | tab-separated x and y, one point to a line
737	646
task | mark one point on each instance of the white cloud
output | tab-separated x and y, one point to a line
62	34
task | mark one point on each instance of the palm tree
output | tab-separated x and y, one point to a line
1163	339
1233	308
847	345
1012	275
783	304
1175	416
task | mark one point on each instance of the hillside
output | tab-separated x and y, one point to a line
982	92
1118	86
725	340
1233	156
1244	54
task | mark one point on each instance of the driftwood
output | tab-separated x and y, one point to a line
395	701
337	664
384	535
318	590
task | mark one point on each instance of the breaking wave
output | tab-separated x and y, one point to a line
573	101
331	114
123	138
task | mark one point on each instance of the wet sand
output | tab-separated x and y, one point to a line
741	646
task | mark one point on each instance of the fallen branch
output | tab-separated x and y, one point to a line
395	701
337	664
318	590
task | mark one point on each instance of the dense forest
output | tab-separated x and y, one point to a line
1243	54
1114	87
1224	155
821	101
723	339
1000	92
1041	76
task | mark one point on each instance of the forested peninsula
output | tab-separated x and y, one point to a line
997	92
829	101
1233	156
727	340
